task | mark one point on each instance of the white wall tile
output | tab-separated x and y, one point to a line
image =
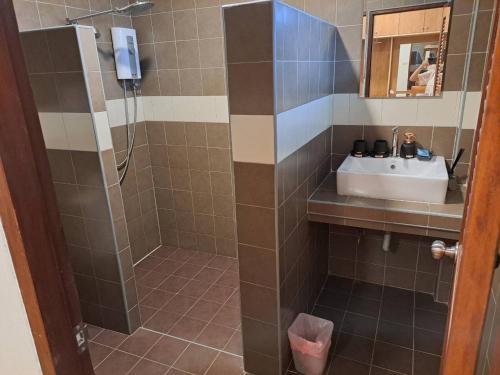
171	108
80	131
103	131
252	138
116	111
441	111
297	126
341	109
364	111
350	109
471	111
399	112
54	132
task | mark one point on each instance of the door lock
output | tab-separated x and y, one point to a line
439	250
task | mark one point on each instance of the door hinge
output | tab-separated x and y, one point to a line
80	332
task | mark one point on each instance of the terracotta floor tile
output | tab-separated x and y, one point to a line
187	328
152	279
98	352
146	313
235	344
204	310
188	270
230	279
208	275
201	258
157	298
164	251
117	363
194	288
167	350
234	300
167	267
140	273
173	284
229	317
215	336
139	342
218	293
142	291
181	255
149	263
162	321
226	364
174	371
220	262
196	359
145	367
110	338
93	331
179	304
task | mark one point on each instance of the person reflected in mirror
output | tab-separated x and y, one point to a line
425	75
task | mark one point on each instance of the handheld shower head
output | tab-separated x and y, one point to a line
133	9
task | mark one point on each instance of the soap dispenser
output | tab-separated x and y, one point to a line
408	148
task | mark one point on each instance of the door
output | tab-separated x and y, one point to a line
477	252
30	217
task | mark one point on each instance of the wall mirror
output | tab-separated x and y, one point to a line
405	50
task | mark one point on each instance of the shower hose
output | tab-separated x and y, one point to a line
124	164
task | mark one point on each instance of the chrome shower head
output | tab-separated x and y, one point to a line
136	8
132	9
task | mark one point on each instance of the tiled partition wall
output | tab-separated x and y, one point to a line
65	78
281	116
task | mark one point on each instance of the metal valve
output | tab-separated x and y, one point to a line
439	250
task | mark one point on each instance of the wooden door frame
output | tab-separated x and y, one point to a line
480	229
30	215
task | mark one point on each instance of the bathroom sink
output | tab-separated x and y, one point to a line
394	178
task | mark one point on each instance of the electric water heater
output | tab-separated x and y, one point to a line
126	53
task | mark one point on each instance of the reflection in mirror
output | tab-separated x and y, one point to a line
405	51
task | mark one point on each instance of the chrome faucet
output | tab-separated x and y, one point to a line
395	131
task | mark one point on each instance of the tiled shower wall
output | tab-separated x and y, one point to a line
137	191
63	68
193	183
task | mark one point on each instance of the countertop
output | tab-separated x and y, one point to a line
428	219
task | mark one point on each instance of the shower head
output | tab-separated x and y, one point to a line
136	8
132	9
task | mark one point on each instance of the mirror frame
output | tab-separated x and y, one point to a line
367	53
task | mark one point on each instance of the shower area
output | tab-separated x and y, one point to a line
145	194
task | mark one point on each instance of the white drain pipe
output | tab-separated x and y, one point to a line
386	243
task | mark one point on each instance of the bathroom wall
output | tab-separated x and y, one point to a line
357	254
65	77
491	328
436	129
280	92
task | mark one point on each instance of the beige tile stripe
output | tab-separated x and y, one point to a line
350	109
208	109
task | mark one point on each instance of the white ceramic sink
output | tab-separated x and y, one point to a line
394	178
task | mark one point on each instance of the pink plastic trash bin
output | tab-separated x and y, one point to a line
310	339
